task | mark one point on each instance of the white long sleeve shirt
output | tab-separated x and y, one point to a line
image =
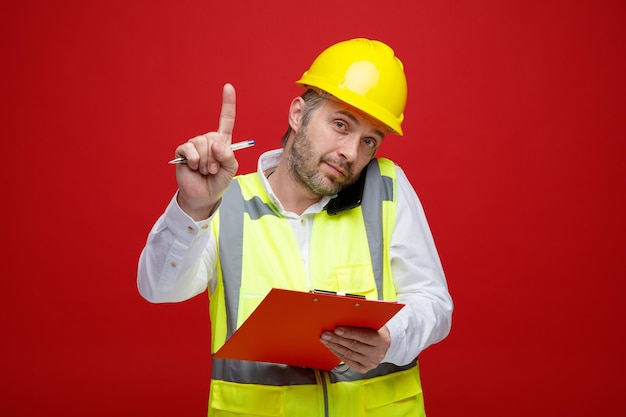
180	257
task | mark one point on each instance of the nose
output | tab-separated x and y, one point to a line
349	147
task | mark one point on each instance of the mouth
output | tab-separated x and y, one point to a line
336	170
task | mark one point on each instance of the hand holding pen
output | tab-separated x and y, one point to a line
209	163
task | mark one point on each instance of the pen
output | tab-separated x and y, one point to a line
234	147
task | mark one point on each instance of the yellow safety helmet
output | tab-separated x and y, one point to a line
365	74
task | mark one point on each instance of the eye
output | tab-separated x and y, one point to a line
370	142
340	124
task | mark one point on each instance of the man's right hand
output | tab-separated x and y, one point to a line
211	164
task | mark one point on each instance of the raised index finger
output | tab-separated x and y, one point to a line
227	114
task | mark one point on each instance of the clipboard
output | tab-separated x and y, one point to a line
286	327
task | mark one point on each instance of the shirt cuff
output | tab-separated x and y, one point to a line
397	351
182	226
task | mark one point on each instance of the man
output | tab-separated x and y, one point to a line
320	213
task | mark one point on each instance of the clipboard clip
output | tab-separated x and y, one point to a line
341	294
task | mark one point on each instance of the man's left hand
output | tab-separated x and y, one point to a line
360	349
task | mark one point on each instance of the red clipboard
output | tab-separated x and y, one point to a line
286	327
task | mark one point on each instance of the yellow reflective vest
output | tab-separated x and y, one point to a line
349	252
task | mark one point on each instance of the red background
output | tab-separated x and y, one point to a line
515	141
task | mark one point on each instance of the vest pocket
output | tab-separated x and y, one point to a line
356	279
397	394
230	399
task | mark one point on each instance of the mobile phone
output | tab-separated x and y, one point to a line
348	198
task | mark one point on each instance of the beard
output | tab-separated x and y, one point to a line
304	164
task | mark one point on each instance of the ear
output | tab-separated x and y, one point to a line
295	113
